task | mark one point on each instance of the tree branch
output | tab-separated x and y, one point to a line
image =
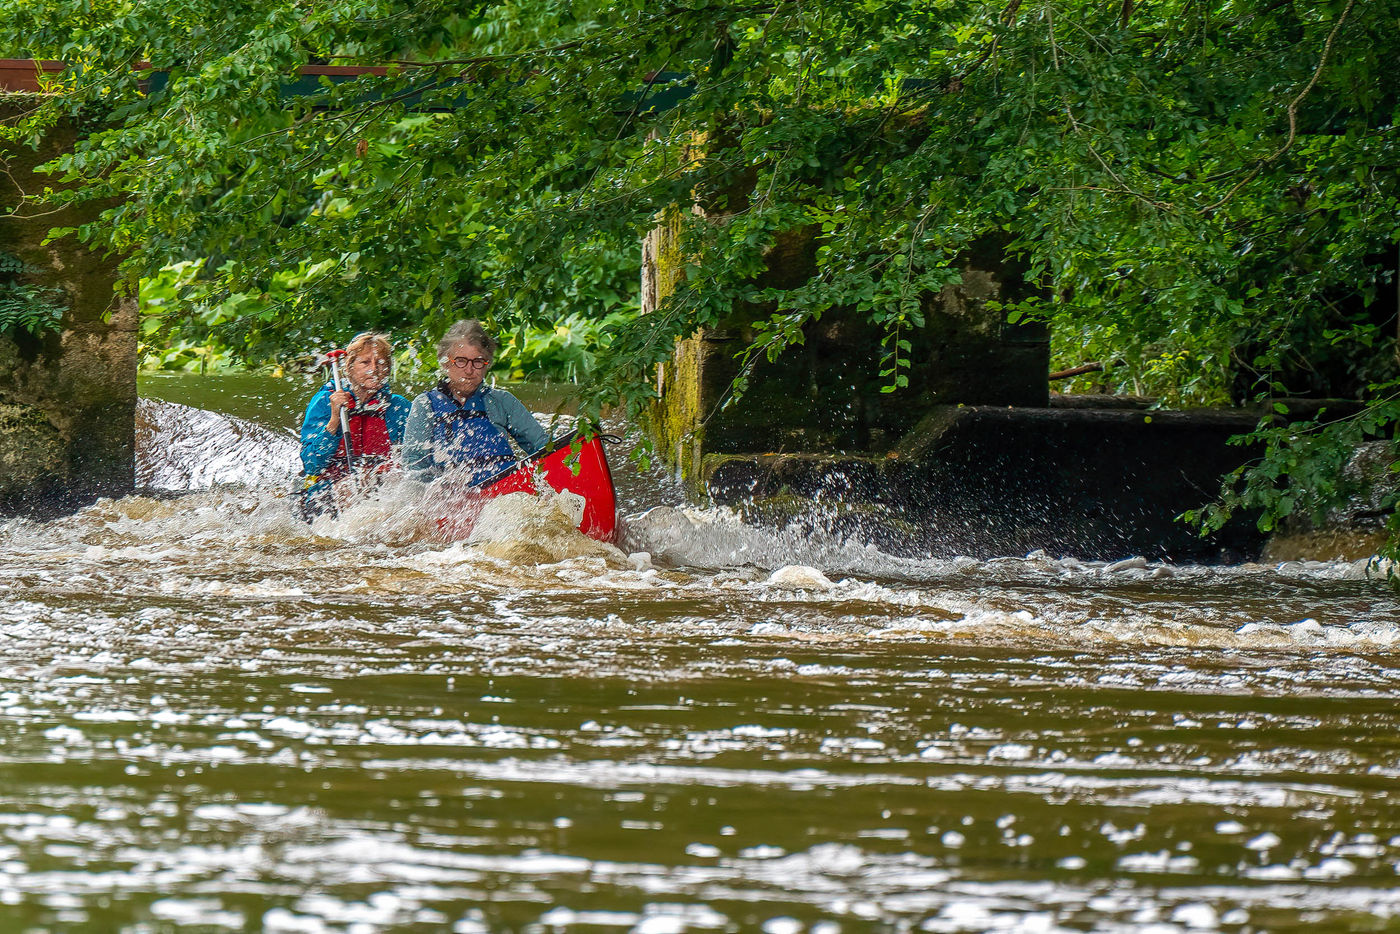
1292	114
1008	14
1076	371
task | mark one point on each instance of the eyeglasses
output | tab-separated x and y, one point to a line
476	363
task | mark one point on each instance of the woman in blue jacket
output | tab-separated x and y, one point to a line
376	417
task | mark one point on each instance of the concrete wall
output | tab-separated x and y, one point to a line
68	398
825	395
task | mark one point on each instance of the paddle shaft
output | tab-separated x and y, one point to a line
334	358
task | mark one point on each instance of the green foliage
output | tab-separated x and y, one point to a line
1207	191
567	351
183	356
1303	469
33	309
182	328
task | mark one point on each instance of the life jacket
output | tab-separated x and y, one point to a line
464	436
369	440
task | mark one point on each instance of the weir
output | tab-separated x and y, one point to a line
974	457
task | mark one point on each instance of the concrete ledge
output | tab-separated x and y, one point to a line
987	481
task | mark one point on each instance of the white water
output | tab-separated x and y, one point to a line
214	717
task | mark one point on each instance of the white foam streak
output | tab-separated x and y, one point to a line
717	538
180	448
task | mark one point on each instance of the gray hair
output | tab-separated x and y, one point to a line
470	331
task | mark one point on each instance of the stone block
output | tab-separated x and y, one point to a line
67	397
825	395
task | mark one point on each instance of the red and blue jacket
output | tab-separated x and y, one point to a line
376	427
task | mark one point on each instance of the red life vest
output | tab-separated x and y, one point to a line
369	442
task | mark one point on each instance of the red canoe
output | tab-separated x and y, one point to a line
586	474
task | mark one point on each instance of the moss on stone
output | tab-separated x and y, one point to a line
1340	544
675	421
31	449
70	396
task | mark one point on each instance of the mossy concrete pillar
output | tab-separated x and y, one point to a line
825	395
67	394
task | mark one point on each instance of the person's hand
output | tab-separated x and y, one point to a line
339	400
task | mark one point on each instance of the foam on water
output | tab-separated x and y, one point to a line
394	512
214	716
713	538
183	449
237	541
717	538
525	529
180	448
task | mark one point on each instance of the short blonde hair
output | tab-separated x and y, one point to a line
376	340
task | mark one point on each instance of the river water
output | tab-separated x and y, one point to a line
213	718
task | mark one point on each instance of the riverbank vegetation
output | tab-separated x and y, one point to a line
1206	193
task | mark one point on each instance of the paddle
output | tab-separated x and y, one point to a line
333	359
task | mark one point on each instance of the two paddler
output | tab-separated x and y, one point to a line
461	425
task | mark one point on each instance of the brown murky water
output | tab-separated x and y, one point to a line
213	718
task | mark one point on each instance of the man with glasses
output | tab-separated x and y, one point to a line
463	423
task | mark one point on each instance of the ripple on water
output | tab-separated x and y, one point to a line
215	717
